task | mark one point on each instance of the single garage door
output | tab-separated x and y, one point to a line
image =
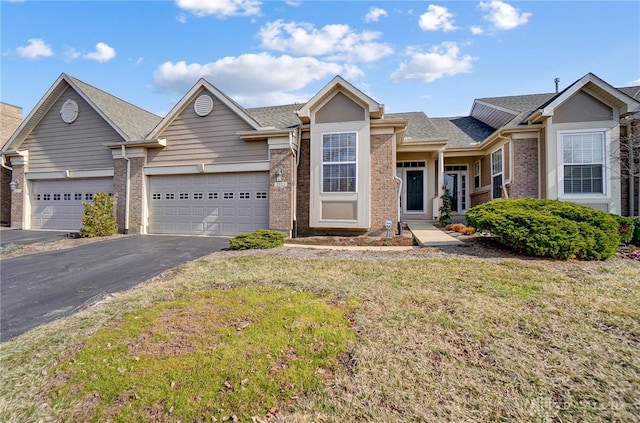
209	204
57	204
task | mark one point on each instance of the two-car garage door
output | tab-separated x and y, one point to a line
208	204
57	204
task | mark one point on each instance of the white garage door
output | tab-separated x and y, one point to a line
57	204
210	204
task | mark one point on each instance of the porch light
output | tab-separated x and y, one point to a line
279	174
13	185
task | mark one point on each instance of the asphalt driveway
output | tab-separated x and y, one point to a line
20	237
40	288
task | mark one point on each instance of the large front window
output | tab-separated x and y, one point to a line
583	162
339	162
496	173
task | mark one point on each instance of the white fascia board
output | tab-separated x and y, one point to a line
261	166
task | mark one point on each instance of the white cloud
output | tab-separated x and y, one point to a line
476	30
338	41
220	8
252	79
502	15
137	61
637	81
103	53
36	48
293	3
437	17
374	14
442	60
71	53
182	18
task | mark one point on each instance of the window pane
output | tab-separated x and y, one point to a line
579	179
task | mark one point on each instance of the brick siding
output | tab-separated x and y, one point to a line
17	198
304	180
525	168
384	203
5	196
281	197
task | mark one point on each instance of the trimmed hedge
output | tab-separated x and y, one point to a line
635	239
549	228
260	239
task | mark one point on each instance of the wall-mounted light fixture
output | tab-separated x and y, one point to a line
13	185
279	174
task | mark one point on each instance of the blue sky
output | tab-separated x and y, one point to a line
434	57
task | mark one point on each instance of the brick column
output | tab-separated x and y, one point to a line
5	196
281	192
302	190
384	196
19	196
136	158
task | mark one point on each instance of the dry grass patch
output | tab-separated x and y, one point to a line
437	340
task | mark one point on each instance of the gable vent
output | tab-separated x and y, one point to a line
69	111
203	105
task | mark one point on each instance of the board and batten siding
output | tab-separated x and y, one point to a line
56	145
193	139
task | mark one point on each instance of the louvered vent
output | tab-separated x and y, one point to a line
203	105
69	111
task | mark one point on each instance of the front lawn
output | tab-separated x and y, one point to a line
256	337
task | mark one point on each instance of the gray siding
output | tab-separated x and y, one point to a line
581	107
56	145
194	139
340	109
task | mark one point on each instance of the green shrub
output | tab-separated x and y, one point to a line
444	218
550	228
98	218
625	228
635	239
260	239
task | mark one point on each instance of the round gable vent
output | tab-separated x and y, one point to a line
69	111
203	105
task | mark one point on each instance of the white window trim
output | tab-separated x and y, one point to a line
606	182
322	163
479	174
501	149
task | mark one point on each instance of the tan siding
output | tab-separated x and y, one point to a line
581	107
485	171
209	139
56	145
340	109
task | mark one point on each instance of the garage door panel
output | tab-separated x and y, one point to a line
221	204
57	204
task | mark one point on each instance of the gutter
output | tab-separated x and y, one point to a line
126	191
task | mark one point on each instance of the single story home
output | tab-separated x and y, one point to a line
336	162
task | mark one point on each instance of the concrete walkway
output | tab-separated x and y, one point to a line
428	235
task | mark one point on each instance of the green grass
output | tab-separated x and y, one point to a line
437	340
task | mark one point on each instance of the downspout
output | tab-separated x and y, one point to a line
294	178
4	166
126	191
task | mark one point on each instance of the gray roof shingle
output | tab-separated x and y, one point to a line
135	122
279	117
419	126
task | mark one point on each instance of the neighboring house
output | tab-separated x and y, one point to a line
337	162
10	119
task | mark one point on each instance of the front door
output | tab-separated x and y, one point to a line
415	191
456	184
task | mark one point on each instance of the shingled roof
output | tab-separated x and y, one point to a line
135	122
276	116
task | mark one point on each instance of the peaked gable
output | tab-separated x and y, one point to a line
339	84
190	97
129	121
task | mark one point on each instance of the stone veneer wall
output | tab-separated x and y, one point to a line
525	168
10	119
5	196
281	197
384	197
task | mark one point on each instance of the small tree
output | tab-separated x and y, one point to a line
98	218
444	217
